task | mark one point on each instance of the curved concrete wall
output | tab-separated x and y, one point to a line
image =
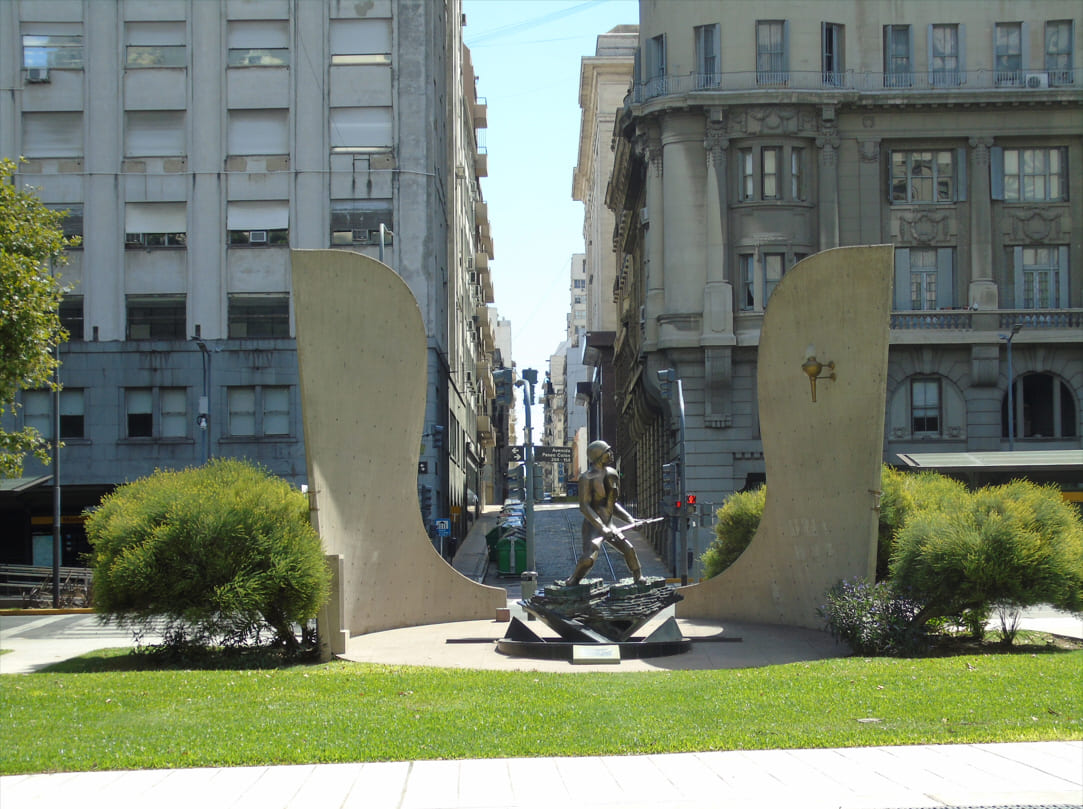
822	458
361	350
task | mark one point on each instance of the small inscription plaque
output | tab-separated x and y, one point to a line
596	653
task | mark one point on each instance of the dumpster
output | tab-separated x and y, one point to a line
511	555
491	539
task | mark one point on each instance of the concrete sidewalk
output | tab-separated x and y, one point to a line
1028	774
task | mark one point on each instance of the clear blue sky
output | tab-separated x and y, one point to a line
527	56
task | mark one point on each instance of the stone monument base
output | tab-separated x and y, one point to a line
596	622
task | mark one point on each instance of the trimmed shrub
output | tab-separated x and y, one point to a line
873	619
221	552
737	522
1016	545
902	493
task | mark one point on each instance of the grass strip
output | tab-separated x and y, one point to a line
105	720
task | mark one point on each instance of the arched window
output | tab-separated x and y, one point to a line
1044	408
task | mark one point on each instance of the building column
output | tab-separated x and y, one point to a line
717	336
983	289
828	203
870	193
650	145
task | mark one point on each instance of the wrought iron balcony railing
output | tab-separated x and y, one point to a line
1015	81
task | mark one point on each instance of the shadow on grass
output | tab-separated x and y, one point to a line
163	658
1026	643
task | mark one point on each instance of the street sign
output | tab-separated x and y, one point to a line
423	467
553	454
443	527
516	453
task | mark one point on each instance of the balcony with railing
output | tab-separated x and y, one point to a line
855	81
957	320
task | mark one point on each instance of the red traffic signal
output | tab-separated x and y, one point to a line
691	499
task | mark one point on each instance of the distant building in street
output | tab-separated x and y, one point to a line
193	144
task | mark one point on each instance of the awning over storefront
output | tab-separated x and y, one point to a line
1046	460
18	485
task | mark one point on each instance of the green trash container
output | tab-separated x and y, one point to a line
491	539
511	555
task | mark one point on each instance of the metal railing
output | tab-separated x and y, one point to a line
963	319
1018	81
32	585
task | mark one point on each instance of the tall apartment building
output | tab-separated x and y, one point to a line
603	84
760	133
193	144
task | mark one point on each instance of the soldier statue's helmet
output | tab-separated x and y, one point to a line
596	450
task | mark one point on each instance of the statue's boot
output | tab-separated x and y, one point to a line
581	568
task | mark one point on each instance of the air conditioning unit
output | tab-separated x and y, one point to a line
37	75
1035	80
257	237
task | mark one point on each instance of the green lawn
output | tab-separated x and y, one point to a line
93	714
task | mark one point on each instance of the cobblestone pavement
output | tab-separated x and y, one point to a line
557	543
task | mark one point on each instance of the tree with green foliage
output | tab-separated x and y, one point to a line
1017	545
222	552
734	528
32	245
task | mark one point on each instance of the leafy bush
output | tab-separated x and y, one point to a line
902	493
221	552
1015	545
873	619
737	522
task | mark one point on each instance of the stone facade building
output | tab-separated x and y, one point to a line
194	144
756	134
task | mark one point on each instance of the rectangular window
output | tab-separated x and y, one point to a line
708	65
139	410
258	411
1059	56
898	56
770	187
361	129
747	265
833	58
772	59
154	133
923	176
258	132
945	58
1031	175
354	222
37	412
1041	277
925	407
797	175
71	316
258	223
156	317
156	44
361	42
259	316
773	264
72	221
53	51
1008	61
748	177
155	224
52	134
258	43
924	278
156	413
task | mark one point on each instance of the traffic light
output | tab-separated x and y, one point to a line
539	483
666	378
691	501
669	480
437	436
502	378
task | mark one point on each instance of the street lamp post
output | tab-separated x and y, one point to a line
203	419
530	378
1011	385
56	477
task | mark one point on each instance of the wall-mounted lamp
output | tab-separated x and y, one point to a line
815	369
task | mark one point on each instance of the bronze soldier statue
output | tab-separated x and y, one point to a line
599	487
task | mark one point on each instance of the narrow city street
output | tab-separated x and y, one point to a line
557	545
